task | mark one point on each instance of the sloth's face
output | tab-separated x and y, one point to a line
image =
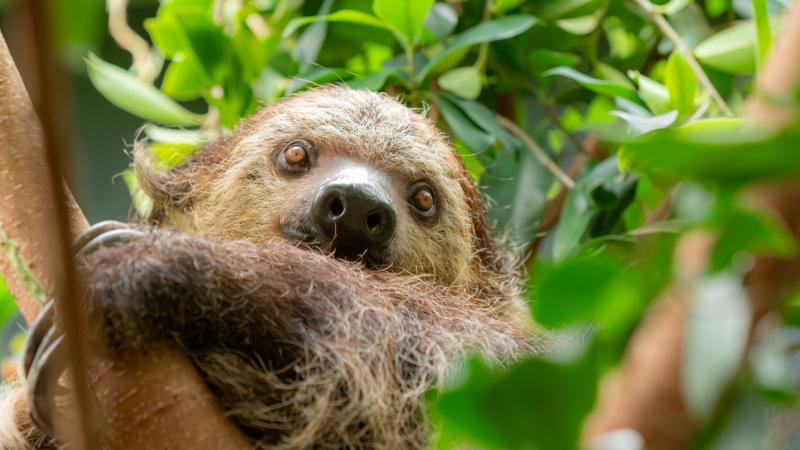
352	173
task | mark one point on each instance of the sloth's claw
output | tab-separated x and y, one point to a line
40	327
44	361
110	238
44	364
103	234
95	231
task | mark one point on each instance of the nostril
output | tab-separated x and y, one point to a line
336	207
375	221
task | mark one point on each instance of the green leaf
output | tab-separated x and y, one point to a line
584	25
552	10
643	124
404	16
587	289
310	41
517	184
192	36
502	6
181	81
494	30
671	7
578	209
682	85
8	307
537	404
763	29
541	60
442	20
170	155
343	15
609	88
142	204
464	128
654	94
752	232
716	338
717	150
176	136
486	119
732	50
464	82
127	92
316	77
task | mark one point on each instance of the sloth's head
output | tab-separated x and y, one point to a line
350	172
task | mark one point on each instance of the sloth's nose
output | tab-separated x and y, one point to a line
358	217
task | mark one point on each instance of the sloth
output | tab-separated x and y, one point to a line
324	266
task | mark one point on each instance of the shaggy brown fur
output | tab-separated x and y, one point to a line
301	349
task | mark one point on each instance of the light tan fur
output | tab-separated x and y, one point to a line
367	364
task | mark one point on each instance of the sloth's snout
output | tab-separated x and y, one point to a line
355	212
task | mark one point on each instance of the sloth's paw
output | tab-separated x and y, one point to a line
45	358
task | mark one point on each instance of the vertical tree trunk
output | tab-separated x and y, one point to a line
152	401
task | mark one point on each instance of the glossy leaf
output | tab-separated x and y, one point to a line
517	184
587	289
441	20
310	41
485	119
578	210
464	82
643	124
733	50
682	85
751	232
404	16
717	150
536	404
654	94
7	306
181	80
604	87
464	128
127	92
494	30
343	15
142	204
763	30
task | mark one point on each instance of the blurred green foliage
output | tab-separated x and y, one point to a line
611	101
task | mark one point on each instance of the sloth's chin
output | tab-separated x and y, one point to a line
372	258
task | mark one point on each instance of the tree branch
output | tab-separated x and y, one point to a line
679	43
156	400
537	151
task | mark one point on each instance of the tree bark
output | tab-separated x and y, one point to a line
157	400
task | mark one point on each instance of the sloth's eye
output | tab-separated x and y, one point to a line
423	200
296	156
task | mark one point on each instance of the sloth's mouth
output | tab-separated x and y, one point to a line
305	237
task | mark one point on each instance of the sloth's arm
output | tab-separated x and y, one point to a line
244	296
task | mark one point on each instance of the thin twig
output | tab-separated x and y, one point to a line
537	151
143	61
681	45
